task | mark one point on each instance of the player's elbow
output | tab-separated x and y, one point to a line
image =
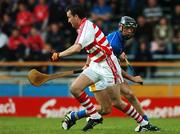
77	48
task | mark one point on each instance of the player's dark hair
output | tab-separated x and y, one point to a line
76	10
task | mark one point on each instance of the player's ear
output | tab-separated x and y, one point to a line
76	16
120	27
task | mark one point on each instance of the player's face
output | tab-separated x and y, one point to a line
127	31
72	19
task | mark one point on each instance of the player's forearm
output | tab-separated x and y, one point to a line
71	50
127	76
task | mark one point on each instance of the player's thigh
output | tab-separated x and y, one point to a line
104	100
111	72
81	82
86	78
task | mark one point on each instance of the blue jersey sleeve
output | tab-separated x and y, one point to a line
116	42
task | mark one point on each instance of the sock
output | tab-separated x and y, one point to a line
131	111
78	115
145	117
86	102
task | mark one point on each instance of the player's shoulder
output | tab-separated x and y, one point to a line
86	24
114	33
90	23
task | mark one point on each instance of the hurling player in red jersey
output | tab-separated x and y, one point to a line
104	65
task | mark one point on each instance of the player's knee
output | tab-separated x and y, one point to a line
130	96
119	104
75	90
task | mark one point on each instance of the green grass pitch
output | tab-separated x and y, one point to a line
11	125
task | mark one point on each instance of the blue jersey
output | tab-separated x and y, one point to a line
116	41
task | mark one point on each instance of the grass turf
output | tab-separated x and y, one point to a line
12	125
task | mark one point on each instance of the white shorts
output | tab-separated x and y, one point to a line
105	73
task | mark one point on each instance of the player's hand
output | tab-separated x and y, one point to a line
85	66
55	56
138	79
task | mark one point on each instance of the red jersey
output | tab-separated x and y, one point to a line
24	20
41	12
93	40
15	42
35	42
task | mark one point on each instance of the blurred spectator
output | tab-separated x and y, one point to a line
41	15
24	19
101	11
17	46
152	11
36	45
163	34
55	38
3	45
144	29
7	24
176	18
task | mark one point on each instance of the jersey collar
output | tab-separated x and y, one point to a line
82	21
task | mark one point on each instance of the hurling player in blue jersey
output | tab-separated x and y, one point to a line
127	28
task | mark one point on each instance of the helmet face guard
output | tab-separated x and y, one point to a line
128	23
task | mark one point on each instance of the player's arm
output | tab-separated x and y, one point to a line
71	50
136	79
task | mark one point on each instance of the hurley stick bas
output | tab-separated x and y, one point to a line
37	78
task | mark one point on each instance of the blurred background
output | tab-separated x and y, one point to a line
31	29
